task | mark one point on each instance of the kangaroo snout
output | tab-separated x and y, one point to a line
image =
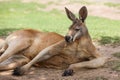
68	38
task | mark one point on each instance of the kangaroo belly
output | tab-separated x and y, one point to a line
58	62
62	61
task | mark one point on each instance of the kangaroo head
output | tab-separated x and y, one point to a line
78	28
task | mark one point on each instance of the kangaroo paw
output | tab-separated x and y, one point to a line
18	71
68	72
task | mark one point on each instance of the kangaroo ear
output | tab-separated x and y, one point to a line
83	13
70	15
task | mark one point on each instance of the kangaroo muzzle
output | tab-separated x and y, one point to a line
68	38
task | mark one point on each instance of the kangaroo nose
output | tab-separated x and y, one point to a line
67	38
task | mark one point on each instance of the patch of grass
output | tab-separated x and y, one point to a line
17	6
103	27
7	31
27	17
101	78
17	15
117	5
110	40
116	68
117	54
96	78
105	40
114	65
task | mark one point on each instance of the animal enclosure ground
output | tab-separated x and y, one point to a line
108	72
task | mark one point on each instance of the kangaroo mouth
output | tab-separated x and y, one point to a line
68	39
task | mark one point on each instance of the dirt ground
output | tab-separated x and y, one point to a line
107	72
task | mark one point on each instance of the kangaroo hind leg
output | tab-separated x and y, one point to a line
13	62
3	47
14	47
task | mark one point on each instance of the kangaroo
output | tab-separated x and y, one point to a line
28	47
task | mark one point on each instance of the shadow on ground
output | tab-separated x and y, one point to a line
6	31
110	40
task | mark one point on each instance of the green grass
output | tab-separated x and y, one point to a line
110	40
114	65
104	30
16	15
117	54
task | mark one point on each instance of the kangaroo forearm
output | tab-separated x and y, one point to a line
41	56
95	63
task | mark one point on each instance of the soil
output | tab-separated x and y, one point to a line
107	72
110	71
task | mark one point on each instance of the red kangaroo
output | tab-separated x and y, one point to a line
28	47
